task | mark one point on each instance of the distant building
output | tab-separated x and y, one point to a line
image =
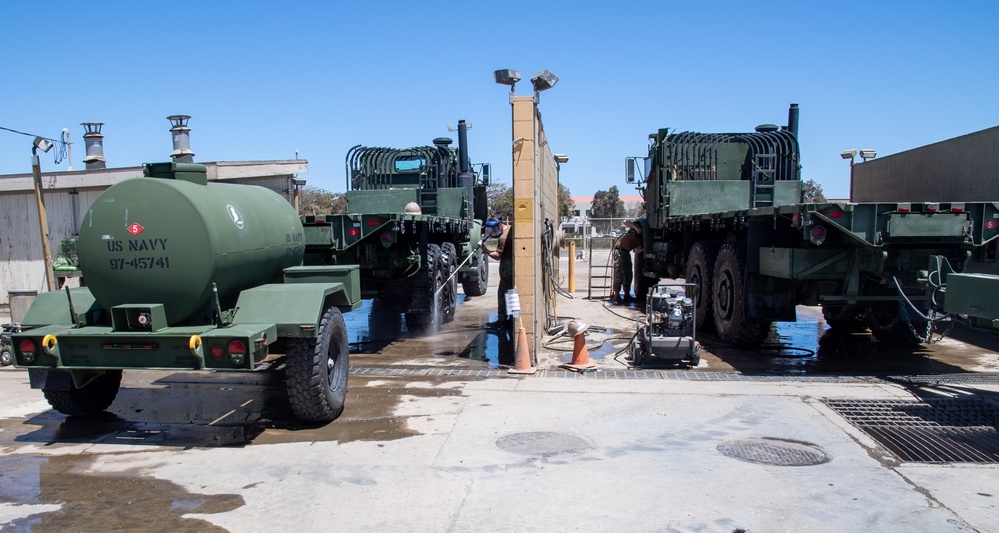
632	204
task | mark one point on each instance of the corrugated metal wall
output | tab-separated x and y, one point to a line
962	169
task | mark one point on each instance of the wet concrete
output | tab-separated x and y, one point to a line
88	501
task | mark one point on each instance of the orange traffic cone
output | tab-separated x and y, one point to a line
580	355
522	361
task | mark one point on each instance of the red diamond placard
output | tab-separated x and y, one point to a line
135	228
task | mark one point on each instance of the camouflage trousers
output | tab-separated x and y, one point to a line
623	272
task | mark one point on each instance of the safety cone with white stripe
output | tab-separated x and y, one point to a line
580	355
522	360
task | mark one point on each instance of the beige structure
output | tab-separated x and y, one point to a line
535	198
68	196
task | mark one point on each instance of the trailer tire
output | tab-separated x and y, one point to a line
887	327
317	370
89	400
478	282
6	356
638	350
424	313
700	271
729	295
449	294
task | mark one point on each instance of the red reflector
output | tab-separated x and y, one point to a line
818	232
372	223
903	209
957	209
836	214
217	352
931	210
237	347
27	346
387	236
353	232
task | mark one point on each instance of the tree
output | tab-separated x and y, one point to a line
813	193
606	205
316	201
566	205
500	200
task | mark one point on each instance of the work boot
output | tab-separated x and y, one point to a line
615	299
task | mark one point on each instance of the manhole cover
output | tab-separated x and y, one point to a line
543	443
774	452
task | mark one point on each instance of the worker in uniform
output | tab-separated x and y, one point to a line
623	268
503	233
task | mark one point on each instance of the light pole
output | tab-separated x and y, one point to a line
43	225
865	154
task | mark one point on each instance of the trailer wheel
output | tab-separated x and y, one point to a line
317	370
91	399
449	294
729	296
700	271
424	314
637	349
6	356
478	282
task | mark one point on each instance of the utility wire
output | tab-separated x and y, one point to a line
58	155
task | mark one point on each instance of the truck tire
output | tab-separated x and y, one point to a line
700	271
449	294
729	296
6	355
424	313
477	283
317	370
91	399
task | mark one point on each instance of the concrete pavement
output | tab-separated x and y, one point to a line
550	452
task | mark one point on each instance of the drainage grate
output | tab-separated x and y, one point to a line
543	443
774	452
933	430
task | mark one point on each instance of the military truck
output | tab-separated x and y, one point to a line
413	228
182	274
726	212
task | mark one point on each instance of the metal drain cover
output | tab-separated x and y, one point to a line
774	452
542	443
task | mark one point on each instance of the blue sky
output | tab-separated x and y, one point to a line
262	79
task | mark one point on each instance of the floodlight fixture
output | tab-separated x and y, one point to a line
507	77
43	144
848	154
543	80
518	140
867	153
561	158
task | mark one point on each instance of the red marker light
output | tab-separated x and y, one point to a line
836	214
372	223
217	352
27	347
957	209
353	232
903	209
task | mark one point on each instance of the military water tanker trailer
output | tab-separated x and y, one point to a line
414	222
183	274
726	212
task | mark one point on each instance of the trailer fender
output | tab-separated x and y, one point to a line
51	308
296	308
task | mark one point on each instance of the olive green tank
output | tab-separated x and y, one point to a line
168	237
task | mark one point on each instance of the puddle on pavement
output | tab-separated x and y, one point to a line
138	503
808	346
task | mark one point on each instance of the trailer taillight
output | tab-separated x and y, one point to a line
27	348
237	352
817	235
